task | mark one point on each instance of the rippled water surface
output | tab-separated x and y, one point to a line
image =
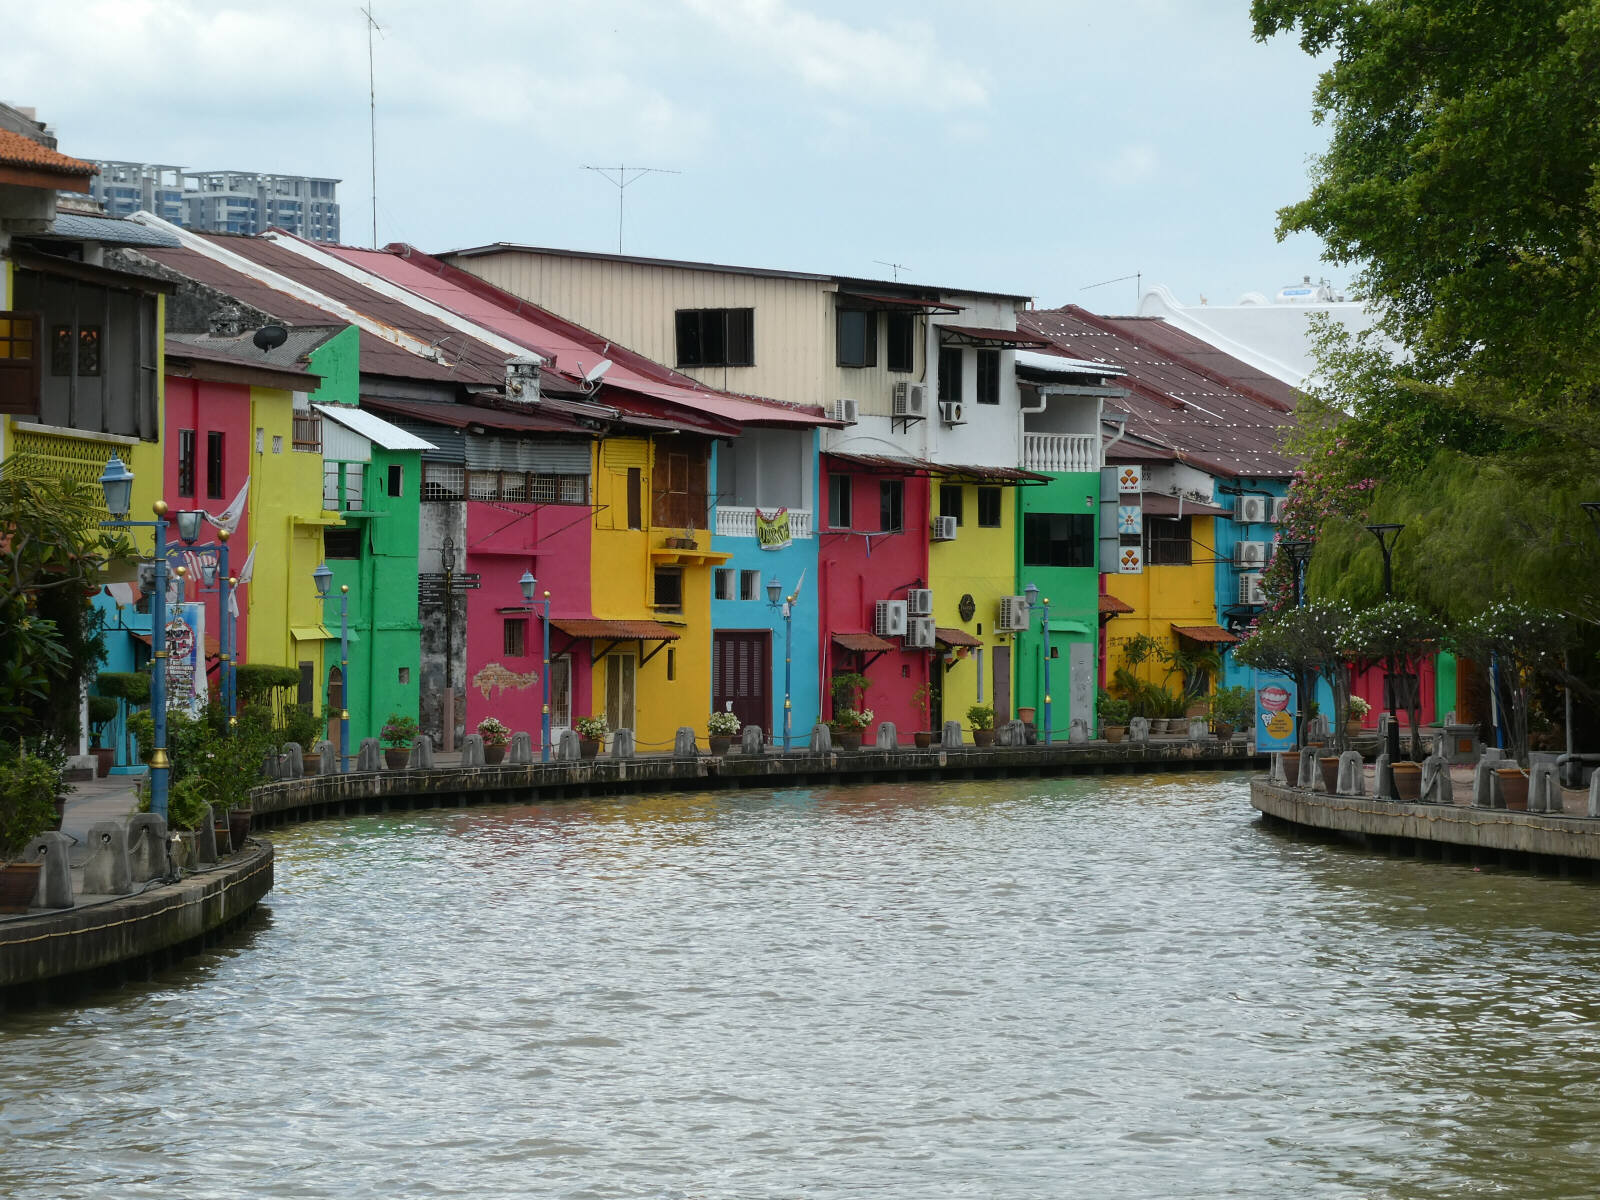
1041	988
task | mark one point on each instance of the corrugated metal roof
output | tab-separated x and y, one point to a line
1159	504
1043	360
862	643
998	337
920	466
1228	429
291	376
373	427
463	416
622	631
297	346
955	637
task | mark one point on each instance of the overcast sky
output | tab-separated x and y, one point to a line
1035	147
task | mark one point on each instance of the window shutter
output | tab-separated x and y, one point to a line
19	362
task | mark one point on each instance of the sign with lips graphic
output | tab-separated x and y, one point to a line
1275	707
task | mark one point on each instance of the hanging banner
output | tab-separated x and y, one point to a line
1130	520
1275	707
186	660
772	532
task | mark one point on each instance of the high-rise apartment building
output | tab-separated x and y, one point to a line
221	201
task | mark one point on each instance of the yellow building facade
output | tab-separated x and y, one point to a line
979	563
1161	597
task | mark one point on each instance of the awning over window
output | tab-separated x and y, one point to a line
312	633
1110	604
977	335
904	303
608	634
1159	504
863	643
1210	634
948	636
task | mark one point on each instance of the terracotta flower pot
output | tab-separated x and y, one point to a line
396	757
19	886
239	826
848	739
1291	766
1114	733
923	740
588	748
1352	728
1026	715
720	743
494	755
105	757
224	842
312	764
1223	730
983	737
1513	787
1330	772
1408	781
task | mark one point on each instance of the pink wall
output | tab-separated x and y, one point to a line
206	408
1368	685
853	580
503	541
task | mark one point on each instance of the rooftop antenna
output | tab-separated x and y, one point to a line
893	266
1138	290
621	182
372	113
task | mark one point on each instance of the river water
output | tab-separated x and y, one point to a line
1002	989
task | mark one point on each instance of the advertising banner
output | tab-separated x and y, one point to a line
772	532
1275	709
186	660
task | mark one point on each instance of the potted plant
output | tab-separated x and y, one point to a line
496	737
102	711
722	727
29	785
921	699
305	729
1232	708
397	734
1355	713
591	732
848	724
1113	718
981	718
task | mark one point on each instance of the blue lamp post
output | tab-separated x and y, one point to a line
117	483
530	588
323	578
214	575
774	596
1031	594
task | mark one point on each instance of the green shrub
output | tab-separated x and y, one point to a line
1234	705
258	682
981	716
28	790
399	731
186	803
303	726
132	686
1113	711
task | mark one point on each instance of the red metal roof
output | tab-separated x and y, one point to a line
955	637
1110	604
863	643
1213	635
1000	337
1177	400
461	416
889	464
621	631
185	359
1158	504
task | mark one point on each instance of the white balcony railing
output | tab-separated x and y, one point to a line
1060	452
741	522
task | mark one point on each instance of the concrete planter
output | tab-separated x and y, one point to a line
1408	781
19	885
1513	787
494	755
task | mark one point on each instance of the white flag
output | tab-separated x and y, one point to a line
230	517
245	572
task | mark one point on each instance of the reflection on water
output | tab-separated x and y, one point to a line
1001	989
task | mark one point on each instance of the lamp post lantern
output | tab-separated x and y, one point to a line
1031	595
776	599
323	578
1387	535
530	589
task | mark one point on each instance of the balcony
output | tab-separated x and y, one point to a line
741	522
1060	452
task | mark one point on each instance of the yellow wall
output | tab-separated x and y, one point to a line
1163	597
621	576
980	562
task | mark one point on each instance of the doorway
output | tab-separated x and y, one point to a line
741	673
1002	685
622	672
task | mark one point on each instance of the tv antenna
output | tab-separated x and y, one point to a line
372	113
1137	277
893	266
621	182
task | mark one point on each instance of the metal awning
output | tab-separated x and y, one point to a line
977	335
1159	504
1210	634
905	303
610	634
863	643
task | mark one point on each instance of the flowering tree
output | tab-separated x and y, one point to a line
1308	643
1523	643
1399	637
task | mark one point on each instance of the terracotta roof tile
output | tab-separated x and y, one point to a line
1210	634
19	150
1110	604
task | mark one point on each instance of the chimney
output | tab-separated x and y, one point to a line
522	378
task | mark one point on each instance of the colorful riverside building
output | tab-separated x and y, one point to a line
920	384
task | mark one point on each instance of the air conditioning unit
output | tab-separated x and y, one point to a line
944	529
847	410
890	618
1250	589
950	412
920	634
919	602
1013	615
910	399
1250	554
1275	510
1251	510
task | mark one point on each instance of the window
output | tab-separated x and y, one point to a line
1058	540
19	362
891	505
950	374
669	588
722	583
989	507
950	495
1168	543
902	341
397	475
672	664
858	338
307	432
635	498
186	462
839	501
214	465
716	337
522	487
85	340
749	585
341	543
988	377
680	479
308	683
443	481
341	485
514	640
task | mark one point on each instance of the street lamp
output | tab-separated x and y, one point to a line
117	483
1387	535
323	577
1031	595
530	588
774	597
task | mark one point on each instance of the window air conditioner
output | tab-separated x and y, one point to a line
847	410
920	634
944	529
1013	615
1250	589
919	602
1251	510
1275	510
910	399
890	618
950	412
1250	554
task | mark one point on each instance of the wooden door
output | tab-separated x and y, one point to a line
560	694
741	667
621	674
1002	685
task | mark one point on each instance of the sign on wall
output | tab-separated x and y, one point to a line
186	661
1275	708
772	531
1130	520
1130	479
1131	561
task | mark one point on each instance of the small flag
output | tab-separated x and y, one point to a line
245	572
231	516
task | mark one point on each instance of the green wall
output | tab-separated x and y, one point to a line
338	361
1074	595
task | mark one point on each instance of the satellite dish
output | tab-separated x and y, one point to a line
270	337
593	374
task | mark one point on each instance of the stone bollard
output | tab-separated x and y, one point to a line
107	871
683	743
951	735
1436	785
1317	729
750	740
1310	772
147	847
421	757
888	738
1275	771
1543	793
205	838
521	749
370	756
1382	777
567	747
1594	794
327	757
1078	730
472	750
1352	774
294	761
271	767
821	739
1012	733
623	744
1139	729
53	851
1484	793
